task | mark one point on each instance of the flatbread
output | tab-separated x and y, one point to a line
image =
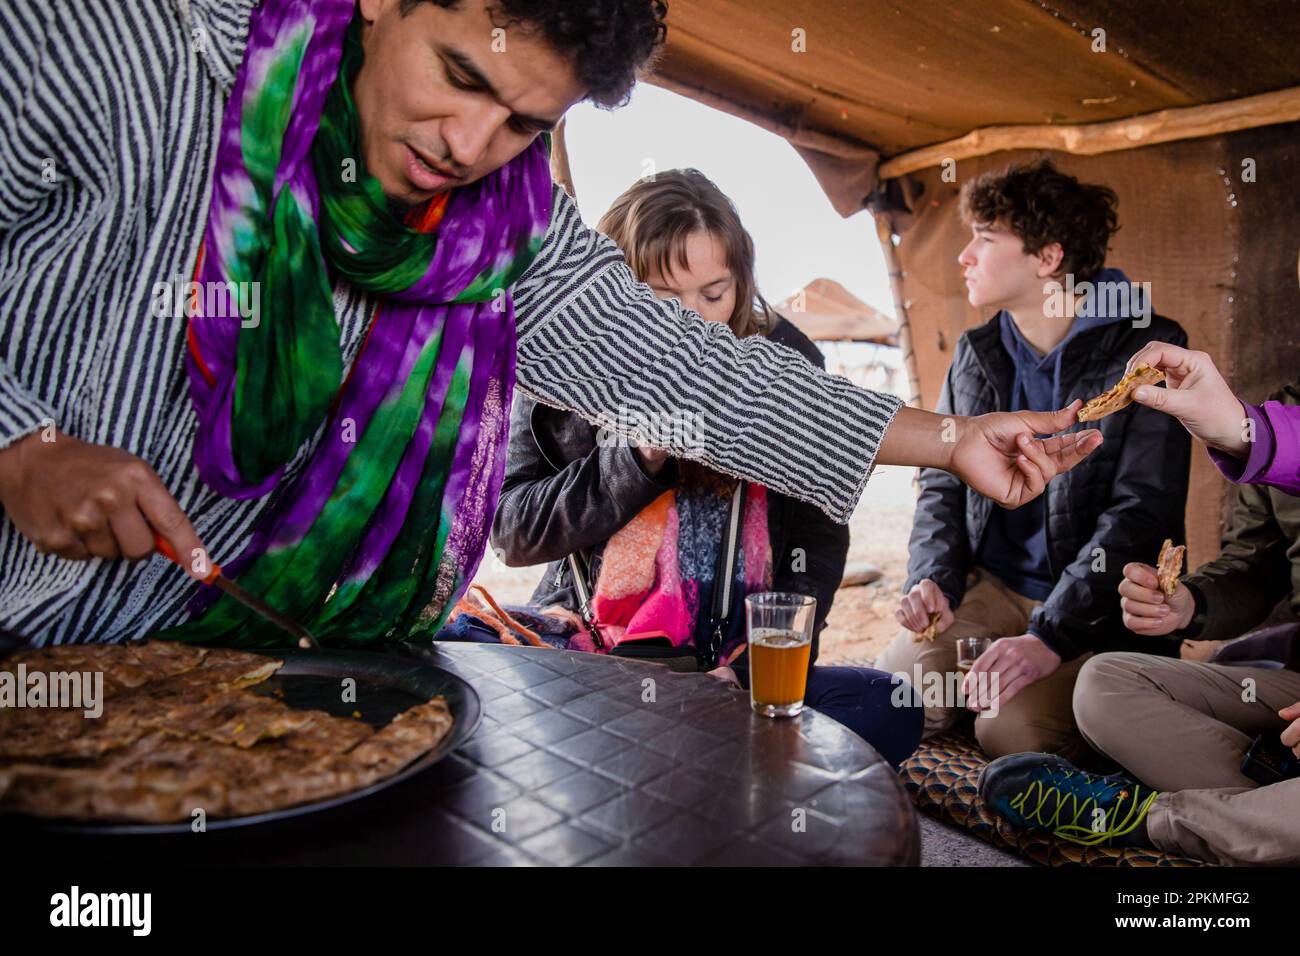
1121	395
181	731
931	630
1169	566
124	666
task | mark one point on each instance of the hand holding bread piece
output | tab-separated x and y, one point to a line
1121	395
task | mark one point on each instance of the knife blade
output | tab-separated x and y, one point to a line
216	578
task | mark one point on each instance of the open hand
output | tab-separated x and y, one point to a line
998	455
1009	666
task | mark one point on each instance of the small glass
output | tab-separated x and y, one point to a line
779	628
969	650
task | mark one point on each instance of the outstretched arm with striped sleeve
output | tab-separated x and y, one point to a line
27	175
594	340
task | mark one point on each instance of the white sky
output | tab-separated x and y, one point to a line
797	235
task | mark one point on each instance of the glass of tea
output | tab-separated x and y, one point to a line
969	650
780	639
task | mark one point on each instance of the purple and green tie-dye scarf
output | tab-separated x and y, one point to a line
385	523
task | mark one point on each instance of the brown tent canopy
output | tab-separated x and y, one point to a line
855	80
873	92
826	311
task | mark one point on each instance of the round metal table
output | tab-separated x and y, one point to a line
583	759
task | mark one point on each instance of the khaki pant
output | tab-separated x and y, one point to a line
1038	719
1182	727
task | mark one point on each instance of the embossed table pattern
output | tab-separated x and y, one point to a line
583	759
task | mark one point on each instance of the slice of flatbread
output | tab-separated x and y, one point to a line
1121	395
1169	566
931	630
125	667
182	730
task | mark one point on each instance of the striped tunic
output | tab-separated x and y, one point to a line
109	115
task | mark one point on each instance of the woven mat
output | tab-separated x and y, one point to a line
942	777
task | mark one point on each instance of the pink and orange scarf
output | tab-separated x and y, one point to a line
656	573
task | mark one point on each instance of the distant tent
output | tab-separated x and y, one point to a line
826	311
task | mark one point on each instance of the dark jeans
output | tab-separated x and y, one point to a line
879	707
867	702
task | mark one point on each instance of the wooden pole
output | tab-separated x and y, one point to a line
885	233
1189	122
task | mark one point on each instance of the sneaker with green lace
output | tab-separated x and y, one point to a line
1040	792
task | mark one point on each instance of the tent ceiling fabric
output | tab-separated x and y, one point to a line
883	78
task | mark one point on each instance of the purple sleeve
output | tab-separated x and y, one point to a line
1274	455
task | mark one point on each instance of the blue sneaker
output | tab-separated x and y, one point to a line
1045	793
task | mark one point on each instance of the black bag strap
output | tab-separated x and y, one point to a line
725	573
578	565
723	582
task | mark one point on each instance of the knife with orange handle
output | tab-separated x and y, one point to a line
217	579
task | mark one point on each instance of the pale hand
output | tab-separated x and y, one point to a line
652	459
1147	611
1291	736
918	604
726	674
1017	662
1196	394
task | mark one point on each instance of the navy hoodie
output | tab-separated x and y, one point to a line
1015	544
